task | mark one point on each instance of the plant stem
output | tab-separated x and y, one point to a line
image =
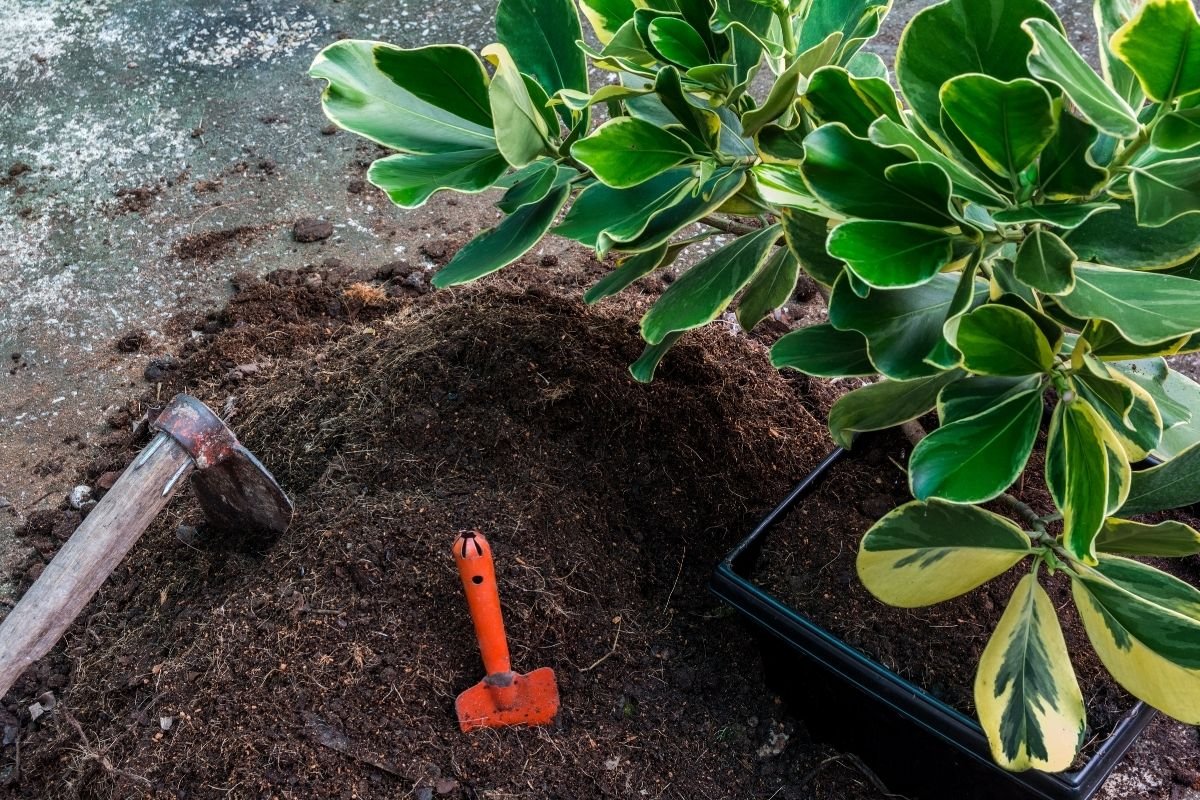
789	35
728	225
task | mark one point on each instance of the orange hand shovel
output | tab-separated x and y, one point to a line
503	697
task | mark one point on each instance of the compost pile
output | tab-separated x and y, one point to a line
326	664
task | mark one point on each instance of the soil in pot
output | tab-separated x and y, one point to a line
808	562
327	665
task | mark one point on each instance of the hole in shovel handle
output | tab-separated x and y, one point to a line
478	579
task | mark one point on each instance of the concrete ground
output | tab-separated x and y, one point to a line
129	131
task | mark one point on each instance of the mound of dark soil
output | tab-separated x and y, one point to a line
327	664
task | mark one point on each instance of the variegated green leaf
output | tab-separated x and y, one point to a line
975	395
771	287
891	255
926	552
1008	123
824	351
973	460
1145	626
1128	409
627	151
1046	263
997	340
705	290
521	131
607	16
1166	190
428	100
884	405
602	216
966	182
1077	474
1172	484
643	369
1168	539
1116	239
1147	307
628	271
1162	47
409	179
1054	59
1026	693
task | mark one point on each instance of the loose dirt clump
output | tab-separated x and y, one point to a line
326	664
208	246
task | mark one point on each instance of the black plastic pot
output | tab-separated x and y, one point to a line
917	744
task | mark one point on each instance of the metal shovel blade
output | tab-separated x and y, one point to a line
531	699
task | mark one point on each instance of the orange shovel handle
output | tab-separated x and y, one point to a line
473	555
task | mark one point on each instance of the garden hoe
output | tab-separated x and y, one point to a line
503	697
234	489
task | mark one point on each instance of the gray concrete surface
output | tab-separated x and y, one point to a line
206	108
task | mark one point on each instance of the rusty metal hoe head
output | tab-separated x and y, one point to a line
233	487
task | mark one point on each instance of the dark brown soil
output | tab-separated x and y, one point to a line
809	563
327	665
208	246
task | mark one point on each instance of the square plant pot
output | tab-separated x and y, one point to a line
917	744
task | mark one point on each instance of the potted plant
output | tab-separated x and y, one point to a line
1011	231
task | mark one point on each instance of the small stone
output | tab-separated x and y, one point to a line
423	793
35	711
78	496
166	723
248	369
329	130
234	376
107	480
47	700
356	186
445	785
309	229
313	280
159	368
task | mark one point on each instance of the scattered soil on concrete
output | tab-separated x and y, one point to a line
209	246
327	664
137	199
809	563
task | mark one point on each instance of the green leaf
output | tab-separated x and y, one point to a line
602	216
678	42
1176	397
998	340
902	326
521	131
853	19
1145	626
643	369
975	459
1060	215
541	36
975	395
1170	539
531	188
505	243
410	179
1065	168
967	184
1077	474
1117	240
884	405
710	195
607	16
963	36
427	100
627	151
704	291
1147	307
1026	693
856	177
925	553
1109	15
1053	59
891	255
1172	484
782	185
1127	408
1162	47
770	288
628	270
1166	190
834	95
824	351
1046	263
806	235
1179	130
1008	123
700	121
779	102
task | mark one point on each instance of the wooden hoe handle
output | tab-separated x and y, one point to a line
90	556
